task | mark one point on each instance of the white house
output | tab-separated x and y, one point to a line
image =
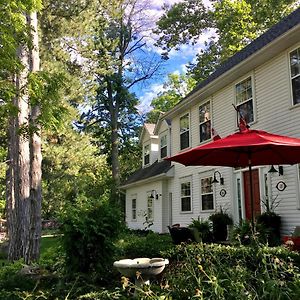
263	80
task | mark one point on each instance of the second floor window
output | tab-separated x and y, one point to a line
146	154
133	209
244	99
186	197
163	146
207	196
295	75
184	132
204	120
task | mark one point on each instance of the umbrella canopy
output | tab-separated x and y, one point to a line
244	148
241	149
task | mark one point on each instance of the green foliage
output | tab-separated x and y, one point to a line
175	88
220	220
132	245
89	230
71	170
204	229
208	271
234	25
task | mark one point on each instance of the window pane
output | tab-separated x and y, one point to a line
163	141
207	202
146	159
186	204
204	112
295	62
246	111
296	89
205	131
243	91
163	152
186	189
184	140
206	185
146	154
184	123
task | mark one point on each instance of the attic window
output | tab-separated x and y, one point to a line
295	75
146	154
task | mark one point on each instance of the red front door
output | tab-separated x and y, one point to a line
247	195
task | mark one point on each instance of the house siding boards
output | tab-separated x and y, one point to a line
273	110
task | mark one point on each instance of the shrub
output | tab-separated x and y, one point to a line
272	223
209	271
89	231
132	245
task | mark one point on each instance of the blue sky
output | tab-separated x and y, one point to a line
176	62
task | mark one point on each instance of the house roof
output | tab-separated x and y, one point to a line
147	127
275	33
157	168
150	127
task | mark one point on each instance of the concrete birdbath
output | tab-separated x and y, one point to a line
141	269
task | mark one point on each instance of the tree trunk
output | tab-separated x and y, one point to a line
32	253
18	173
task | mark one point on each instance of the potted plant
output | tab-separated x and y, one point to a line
271	221
220	221
203	229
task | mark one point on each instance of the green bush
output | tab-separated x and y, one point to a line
132	245
209	271
89	230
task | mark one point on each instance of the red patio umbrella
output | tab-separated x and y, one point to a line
241	149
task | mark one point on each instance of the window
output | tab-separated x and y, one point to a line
146	154
184	132
207	196
204	119
133	209
186	199
150	204
163	146
295	75
244	99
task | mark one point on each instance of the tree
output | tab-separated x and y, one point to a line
175	88
235	23
120	63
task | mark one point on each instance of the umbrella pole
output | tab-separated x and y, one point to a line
251	195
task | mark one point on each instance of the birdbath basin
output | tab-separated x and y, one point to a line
141	269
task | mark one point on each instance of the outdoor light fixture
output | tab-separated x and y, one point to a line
272	170
280	170
153	192
154	195
215	178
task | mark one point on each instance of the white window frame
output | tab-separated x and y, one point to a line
201	123
133	208
298	177
181	132
162	135
252	98
150	216
295	76
144	154
190	196
204	194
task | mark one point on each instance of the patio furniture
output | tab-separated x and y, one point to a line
183	234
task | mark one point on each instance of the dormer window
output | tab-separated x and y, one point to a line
163	146
244	99
146	154
295	75
205	122
184	131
